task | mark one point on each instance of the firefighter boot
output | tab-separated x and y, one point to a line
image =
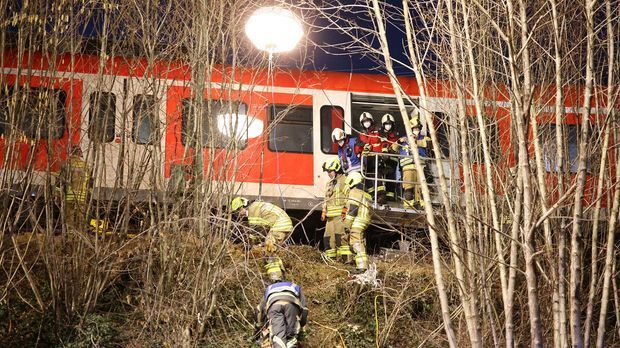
361	259
408	199
274	268
381	196
330	249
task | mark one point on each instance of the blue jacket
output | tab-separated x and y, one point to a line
348	158
283	291
422	142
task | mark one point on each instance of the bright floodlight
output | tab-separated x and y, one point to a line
242	127
274	29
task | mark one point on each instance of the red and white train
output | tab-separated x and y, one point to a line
123	112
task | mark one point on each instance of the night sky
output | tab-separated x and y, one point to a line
326	48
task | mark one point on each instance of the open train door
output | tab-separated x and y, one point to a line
331	109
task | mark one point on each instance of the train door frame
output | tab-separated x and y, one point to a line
108	162
157	88
322	99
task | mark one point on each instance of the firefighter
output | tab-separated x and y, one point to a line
411	183
281	314
74	181
370	142
356	219
347	153
389	144
271	218
334	241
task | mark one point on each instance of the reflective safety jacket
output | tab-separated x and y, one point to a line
349	157
371	137
335	196
388	140
358	206
76	176
283	291
269	216
407	162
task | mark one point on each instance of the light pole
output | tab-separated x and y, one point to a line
274	30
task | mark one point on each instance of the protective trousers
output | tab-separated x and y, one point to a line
357	241
273	264
284	324
356	222
411	188
371	170
75	215
335	240
389	172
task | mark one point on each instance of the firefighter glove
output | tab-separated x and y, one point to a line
367	147
323	215
270	246
395	147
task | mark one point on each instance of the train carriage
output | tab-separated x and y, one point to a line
146	132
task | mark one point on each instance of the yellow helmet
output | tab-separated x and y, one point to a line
414	119
354	179
332	165
237	203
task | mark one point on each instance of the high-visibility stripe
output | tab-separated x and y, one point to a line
77	190
331	253
269	215
335	196
344	250
291	343
278	342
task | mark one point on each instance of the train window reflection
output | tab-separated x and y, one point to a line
291	128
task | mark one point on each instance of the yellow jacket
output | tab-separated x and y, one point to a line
269	216
335	196
358	205
76	176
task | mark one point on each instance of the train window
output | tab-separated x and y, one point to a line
189	131
292	128
475	139
219	126
571	136
331	117
39	113
102	117
145	128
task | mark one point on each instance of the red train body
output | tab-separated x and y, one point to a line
291	151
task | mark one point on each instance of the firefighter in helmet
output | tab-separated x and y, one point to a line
357	219
334	241
411	182
73	187
271	218
389	144
347	153
281	314
369	143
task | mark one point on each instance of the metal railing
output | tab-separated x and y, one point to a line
395	157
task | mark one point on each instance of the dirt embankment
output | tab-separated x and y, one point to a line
134	310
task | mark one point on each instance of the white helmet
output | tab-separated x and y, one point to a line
387	118
337	135
366	116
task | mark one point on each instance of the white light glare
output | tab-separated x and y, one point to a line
240	126
274	29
